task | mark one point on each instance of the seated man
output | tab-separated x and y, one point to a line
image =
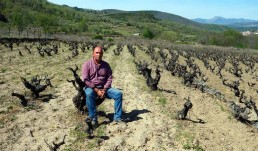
97	76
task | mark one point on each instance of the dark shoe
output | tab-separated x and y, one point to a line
89	126
94	123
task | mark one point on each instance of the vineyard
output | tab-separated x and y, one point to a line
40	89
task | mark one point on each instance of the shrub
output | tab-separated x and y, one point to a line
100	37
110	39
147	33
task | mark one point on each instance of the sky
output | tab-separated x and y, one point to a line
190	9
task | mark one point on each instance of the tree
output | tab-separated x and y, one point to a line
46	22
83	26
20	21
147	33
233	38
9	25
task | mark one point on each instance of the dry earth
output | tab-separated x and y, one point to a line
150	116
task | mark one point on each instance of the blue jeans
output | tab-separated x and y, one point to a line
111	93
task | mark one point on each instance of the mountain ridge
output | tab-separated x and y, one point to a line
223	21
172	18
158	14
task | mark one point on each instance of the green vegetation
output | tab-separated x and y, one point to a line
191	146
40	18
13	118
163	101
147	33
228	38
79	134
188	138
3	70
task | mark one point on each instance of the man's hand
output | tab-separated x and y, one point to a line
103	92
100	92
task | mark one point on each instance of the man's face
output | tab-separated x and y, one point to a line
97	54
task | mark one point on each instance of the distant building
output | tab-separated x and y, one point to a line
136	34
246	33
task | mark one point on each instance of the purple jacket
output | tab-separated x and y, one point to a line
94	75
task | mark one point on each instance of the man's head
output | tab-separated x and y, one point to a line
97	54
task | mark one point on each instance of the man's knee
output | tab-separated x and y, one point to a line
89	92
119	94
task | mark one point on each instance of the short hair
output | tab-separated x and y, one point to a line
96	47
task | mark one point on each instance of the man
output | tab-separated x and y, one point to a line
97	76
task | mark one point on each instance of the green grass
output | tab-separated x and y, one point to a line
163	101
3	70
187	146
32	107
79	134
9	108
91	145
13	118
186	138
101	130
183	135
112	62
191	146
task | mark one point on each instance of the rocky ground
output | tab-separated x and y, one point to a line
150	122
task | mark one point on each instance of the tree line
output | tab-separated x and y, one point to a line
230	38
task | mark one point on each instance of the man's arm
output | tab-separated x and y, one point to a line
85	76
109	77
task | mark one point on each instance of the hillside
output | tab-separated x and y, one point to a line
173	18
213	122
158	15
43	19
